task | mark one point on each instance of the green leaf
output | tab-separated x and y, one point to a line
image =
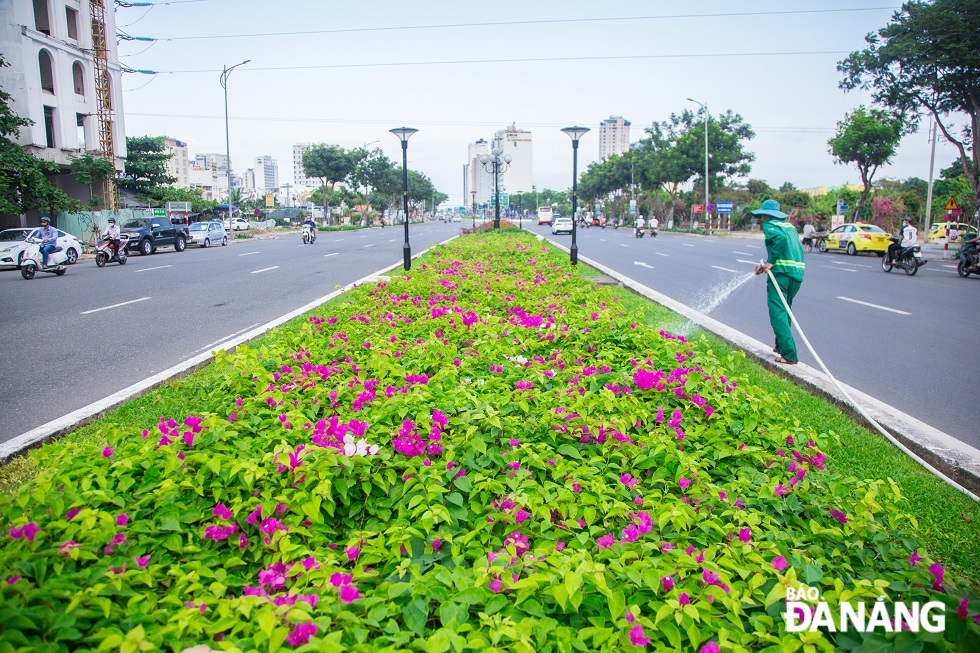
812	573
573	581
570	451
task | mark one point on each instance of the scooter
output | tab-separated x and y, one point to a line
969	262
653	232
308	235
638	232
909	259
31	264
104	253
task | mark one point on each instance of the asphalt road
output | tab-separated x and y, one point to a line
72	340
911	342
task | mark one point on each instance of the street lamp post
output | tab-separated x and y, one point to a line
575	133
404	133
496	164
707	222
224	84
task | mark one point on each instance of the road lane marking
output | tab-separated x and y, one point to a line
883	308
159	267
642	264
752	246
624	244
331	254
718	267
602	240
228	337
392	240
742	260
687	244
841	269
369	245
742	253
859	265
264	269
661	254
248	253
106	308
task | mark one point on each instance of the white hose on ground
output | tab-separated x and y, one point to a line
857	406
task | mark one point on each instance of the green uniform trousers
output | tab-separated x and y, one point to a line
779	318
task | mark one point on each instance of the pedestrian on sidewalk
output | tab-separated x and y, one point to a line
785	259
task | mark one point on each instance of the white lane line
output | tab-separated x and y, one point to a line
264	269
841	269
742	253
624	244
858	265
392	240
228	337
687	244
661	254
742	260
106	308
369	245
602	240
642	264
753	247
159	267
951	266
248	253
718	267
331	254
948	271
884	308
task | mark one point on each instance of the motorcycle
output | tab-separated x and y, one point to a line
909	259
969	262
638	232
653	232
31	264
104	253
308	235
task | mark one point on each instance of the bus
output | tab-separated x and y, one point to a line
544	215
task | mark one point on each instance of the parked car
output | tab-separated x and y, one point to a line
13	242
937	231
145	235
854	237
561	225
237	224
206	234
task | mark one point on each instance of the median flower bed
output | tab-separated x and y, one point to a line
487	454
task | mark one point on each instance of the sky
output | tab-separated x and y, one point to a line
346	72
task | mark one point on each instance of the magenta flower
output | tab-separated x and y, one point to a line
122	519
107	452
222	511
667	583
71	513
301	634
637	637
684	599
521	516
684	483
349	594
839	516
27	531
496	586
68	547
606	541
560	546
352	552
779	563
915	558
142	561
961	610
710	647
339	580
436	543
744	534
938	572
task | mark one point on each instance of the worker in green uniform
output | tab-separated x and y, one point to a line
786	262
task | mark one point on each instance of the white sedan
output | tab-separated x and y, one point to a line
238	224
13	243
562	225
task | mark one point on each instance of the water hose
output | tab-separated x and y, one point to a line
855	404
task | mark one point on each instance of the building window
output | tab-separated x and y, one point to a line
49	126
80	121
72	18
47	72
42	22
78	78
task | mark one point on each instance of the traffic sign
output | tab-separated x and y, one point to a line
711	208
726	207
697	208
258	212
951	205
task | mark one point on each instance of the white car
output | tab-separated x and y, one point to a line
206	234
238	224
13	243
562	225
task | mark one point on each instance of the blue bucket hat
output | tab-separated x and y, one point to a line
770	208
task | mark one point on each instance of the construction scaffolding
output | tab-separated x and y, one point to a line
103	98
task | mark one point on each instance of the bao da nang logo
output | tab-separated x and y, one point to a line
806	612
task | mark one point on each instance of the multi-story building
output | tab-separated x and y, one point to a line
212	183
614	137
479	184
299	177
212	161
177	164
248	184
266	174
50	76
518	176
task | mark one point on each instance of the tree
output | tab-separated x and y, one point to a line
867	138
24	182
928	58
758	187
91	170
146	164
787	187
331	164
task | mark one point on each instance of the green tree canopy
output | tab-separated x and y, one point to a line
91	170
331	164
867	138
146	164
927	57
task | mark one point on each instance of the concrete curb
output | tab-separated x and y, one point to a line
958	461
78	418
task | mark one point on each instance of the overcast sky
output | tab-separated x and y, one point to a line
347	72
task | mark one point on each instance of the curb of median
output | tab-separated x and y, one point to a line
78	418
958	461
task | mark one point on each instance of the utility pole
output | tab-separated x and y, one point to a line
932	162
287	187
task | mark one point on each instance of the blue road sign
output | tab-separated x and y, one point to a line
725	207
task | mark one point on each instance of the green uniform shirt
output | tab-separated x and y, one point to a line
783	246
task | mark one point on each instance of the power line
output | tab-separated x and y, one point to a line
446	62
556	21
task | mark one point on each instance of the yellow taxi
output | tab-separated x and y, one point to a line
957	230
854	237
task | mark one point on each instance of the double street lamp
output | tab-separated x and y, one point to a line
224	84
707	221
575	133
496	164
404	133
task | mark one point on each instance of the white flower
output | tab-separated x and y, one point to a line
350	449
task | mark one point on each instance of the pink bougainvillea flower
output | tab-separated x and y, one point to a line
301	634
310	563
937	572
514	442
221	511
606	541
107	452
71	513
576	487
27	531
349	594
352	552
779	563
667	583
637	638
839	516
915	558
142	561
684	483
496	586
13	579
744	534
338	579
68	547
560	546
122	519
710	647
436	543
961	609
684	599
118	571
521	516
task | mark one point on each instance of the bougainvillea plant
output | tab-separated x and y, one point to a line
488	455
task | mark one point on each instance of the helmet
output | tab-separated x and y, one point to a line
112	221
44	219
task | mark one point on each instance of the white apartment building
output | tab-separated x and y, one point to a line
519	176
299	177
614	137
479	182
50	77
266	174
212	183
177	165
212	161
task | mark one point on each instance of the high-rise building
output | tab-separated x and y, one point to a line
614	137
299	177
479	184
212	161
177	165
50	77
518	176
266	174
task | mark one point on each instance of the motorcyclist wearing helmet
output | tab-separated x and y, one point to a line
309	222
49	240
112	235
970	248
909	235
